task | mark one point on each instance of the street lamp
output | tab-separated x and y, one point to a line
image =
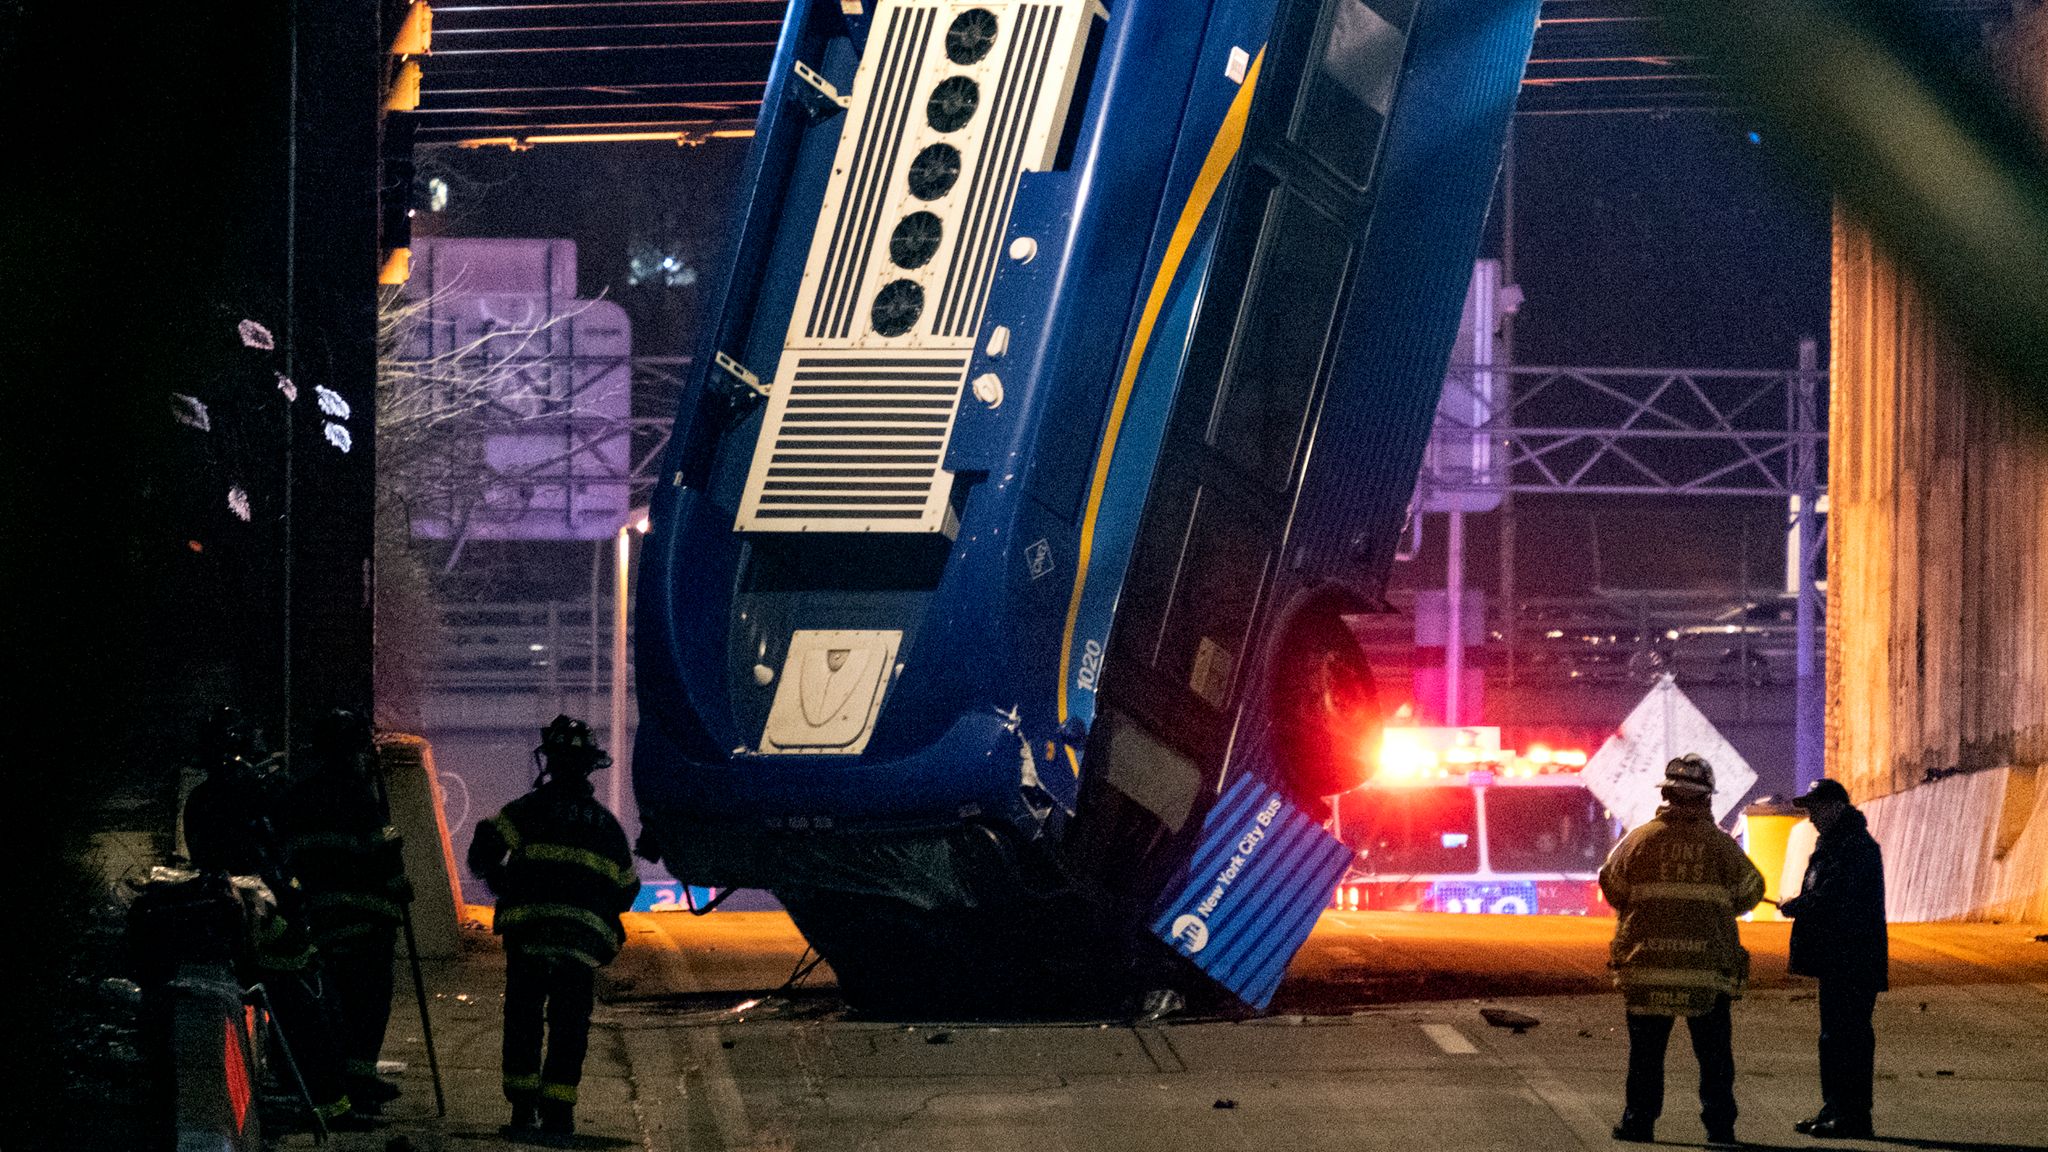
637	523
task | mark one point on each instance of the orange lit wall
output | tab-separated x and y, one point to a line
1937	589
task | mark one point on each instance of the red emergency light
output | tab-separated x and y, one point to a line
1425	755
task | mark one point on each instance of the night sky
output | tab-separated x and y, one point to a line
1651	241
1663	241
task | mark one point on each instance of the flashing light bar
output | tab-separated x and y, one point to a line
1416	755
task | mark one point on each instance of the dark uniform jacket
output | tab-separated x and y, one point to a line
1838	917
228	828
557	861
1677	883
349	860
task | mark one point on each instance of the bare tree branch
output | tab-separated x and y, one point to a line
437	408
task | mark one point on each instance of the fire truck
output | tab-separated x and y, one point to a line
1452	822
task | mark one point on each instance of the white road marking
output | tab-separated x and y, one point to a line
721	1090
1573	1107
1449	1039
660	1091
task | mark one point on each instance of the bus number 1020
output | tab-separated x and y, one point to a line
1091	666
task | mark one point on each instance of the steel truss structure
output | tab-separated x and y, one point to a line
1503	429
1521	429
516	74
1629	432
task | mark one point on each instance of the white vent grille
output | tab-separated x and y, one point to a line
856	445
950	103
883	106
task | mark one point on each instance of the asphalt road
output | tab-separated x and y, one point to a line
1376	1042
1356	960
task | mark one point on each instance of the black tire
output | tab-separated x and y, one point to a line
1324	707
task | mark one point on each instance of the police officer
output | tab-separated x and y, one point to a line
228	828
1677	883
351	862
1838	935
557	861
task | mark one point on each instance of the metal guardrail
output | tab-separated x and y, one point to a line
1701	638
552	647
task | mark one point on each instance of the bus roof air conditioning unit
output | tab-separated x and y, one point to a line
950	103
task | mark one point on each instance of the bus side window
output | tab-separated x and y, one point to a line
1283	329
1163	780
1350	84
1224	561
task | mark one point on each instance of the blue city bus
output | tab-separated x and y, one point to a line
1061	399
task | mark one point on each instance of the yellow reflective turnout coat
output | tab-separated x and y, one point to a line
557	860
1677	884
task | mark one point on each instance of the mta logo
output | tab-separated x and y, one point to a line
1192	933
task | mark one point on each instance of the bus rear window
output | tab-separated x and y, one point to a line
1412	830
1546	830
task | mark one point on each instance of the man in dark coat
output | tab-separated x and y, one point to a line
557	861
1838	936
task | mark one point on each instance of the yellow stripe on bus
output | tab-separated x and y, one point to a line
1221	152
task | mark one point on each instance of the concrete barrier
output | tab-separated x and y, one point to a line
1968	847
417	812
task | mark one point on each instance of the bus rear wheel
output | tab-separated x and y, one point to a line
1324	707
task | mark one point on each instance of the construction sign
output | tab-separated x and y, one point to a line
1626	771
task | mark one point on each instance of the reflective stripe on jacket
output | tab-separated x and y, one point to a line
558	862
1677	884
349	861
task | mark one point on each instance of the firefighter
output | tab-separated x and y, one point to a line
228	828
352	865
557	861
1677	883
1838	936
228	824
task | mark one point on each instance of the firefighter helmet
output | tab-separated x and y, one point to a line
1690	774
569	744
342	737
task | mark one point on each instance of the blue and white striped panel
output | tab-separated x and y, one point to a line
1254	887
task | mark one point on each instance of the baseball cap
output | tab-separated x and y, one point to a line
1822	792
1690	773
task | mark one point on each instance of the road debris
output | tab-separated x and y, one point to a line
1509	1018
